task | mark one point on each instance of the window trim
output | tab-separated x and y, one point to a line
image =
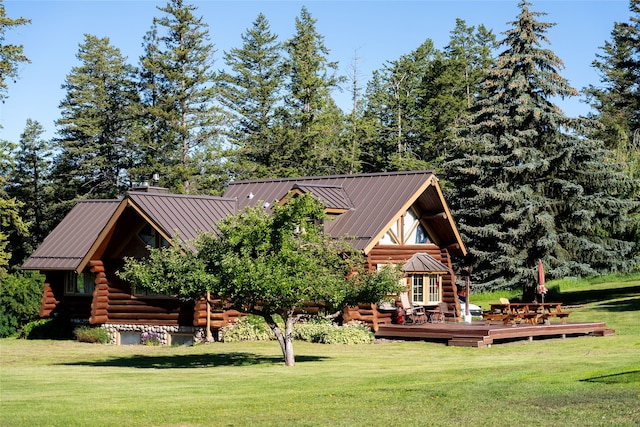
71	280
427	284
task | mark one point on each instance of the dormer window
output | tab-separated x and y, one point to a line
151	237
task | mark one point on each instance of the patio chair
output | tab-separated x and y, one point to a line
416	313
445	311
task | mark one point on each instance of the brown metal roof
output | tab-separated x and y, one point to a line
331	196
70	241
371	204
424	263
182	215
377	200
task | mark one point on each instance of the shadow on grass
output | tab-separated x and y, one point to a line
191	361
627	298
620	378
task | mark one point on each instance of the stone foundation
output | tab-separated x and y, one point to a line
163	332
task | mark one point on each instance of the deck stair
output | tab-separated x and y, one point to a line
470	341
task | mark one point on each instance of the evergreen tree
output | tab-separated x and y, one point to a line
413	102
10	55
311	123
252	92
395	101
526	186
97	115
617	100
29	183
180	117
453	84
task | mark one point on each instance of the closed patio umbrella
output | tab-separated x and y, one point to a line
541	288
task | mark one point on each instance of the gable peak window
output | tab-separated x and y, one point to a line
406	230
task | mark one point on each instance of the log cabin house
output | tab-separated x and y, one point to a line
397	217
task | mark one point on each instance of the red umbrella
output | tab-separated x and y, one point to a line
541	288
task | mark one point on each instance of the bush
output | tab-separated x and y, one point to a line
325	332
20	295
251	328
92	335
254	328
58	327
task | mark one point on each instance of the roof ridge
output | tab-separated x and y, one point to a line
181	196
318	178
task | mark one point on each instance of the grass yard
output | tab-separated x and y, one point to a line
587	381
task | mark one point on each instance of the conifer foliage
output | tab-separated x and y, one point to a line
525	185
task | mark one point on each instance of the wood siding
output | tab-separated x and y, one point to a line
396	254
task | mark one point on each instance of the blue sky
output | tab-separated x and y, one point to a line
375	31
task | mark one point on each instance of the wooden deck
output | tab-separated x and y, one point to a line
479	334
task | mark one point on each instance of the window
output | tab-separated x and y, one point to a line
83	283
435	289
418	289
430	296
407	230
152	238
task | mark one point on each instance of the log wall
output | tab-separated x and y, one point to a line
383	254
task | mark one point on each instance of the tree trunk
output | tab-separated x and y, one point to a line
286	340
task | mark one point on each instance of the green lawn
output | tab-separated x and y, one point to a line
586	381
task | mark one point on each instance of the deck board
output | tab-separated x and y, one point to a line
479	334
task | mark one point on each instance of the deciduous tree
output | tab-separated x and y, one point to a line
269	265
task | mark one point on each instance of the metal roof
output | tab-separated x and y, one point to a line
331	196
76	237
68	243
424	263
376	199
182	215
367	206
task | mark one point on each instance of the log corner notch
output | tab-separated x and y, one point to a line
48	303
100	298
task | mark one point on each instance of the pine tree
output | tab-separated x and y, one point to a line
29	183
97	115
617	100
453	84
252	92
395	97
180	117
526	186
311	123
10	55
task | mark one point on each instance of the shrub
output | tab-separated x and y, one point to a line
92	334
20	295
30	329
254	328
325	332
251	328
